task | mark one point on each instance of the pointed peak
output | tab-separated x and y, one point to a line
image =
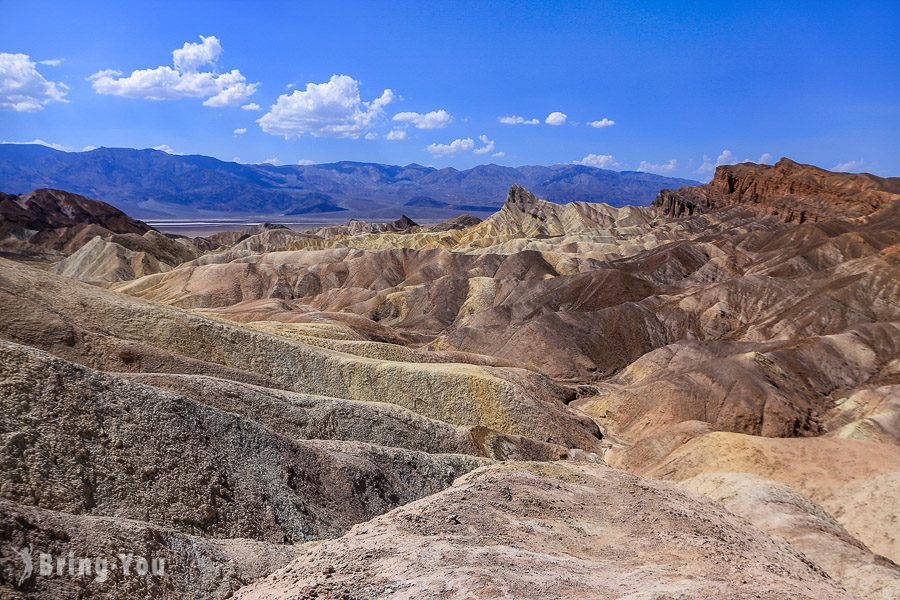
404	222
519	196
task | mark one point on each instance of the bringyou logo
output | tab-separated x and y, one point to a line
45	564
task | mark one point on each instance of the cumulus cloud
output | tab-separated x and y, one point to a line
435	119
41	142
305	162
23	88
487	147
556	118
498	154
727	157
604	122
666	167
330	109
191	57
765	159
51	62
271	161
517	120
371	136
396	134
601	161
240	131
185	80
458	145
250	106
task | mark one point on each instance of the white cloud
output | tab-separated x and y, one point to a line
601	161
271	161
41	142
191	57
183	81
487	147
458	145
604	122
89	148
305	162
463	145
396	134
330	109
435	119
168	150
765	159
51	62
371	136
556	118
856	166
727	157
666	167
517	120
240	131
250	106
234	92
498	154
23	88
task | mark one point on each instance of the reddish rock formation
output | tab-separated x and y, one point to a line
791	191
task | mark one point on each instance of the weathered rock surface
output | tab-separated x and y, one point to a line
301	416
784	513
125	257
528	530
113	332
869	414
840	475
780	388
83	442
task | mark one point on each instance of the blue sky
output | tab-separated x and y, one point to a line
686	85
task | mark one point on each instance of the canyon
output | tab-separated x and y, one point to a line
696	398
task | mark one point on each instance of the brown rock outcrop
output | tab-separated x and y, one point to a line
51	222
791	191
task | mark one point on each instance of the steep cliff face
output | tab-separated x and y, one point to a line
791	191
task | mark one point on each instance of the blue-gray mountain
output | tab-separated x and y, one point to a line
150	183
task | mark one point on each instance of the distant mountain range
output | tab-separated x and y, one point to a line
154	184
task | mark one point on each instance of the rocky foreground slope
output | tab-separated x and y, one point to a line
526	530
573	401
